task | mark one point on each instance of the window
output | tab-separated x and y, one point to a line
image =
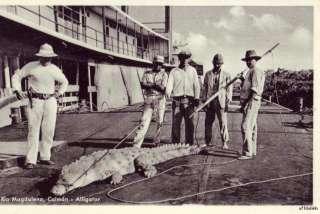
145	44
111	23
84	21
107	31
71	14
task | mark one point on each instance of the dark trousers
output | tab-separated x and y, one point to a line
215	109
180	111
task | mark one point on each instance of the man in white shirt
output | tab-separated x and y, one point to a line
154	83
42	109
183	85
250	101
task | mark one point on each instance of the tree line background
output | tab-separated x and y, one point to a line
289	86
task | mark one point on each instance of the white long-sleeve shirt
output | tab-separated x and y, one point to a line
41	78
253	82
183	82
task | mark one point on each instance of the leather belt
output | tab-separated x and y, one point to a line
154	96
41	96
182	97
183	101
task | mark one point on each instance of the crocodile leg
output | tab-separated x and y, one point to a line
116	178
150	171
145	161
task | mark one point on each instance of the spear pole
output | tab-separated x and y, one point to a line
229	83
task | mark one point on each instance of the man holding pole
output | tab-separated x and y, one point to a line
184	85
213	82
250	99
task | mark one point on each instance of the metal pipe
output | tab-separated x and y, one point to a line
167	19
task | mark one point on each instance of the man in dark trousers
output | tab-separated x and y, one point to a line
214	80
183	85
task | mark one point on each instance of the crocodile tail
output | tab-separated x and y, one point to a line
168	152
193	149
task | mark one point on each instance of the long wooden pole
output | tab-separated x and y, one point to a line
229	83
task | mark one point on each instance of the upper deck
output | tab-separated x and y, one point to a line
104	29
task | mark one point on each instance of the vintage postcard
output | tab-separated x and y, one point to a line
205	103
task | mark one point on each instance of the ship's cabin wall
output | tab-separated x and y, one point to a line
100	27
120	86
82	67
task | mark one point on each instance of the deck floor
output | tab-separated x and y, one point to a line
285	149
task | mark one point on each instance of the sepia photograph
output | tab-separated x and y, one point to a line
104	103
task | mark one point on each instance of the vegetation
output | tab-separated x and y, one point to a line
289	87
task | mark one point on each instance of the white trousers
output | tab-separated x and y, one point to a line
149	107
249	128
42	116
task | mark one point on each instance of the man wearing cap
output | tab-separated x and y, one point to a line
154	82
42	110
214	80
250	98
183	85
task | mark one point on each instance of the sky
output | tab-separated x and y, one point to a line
231	30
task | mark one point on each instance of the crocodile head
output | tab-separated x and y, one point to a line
67	183
59	189
79	173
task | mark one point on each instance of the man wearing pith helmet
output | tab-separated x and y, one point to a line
183	85
42	109
215	80
154	84
250	99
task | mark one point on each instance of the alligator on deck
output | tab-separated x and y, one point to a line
115	163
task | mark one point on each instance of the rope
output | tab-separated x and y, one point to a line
202	164
277	98
190	165
145	179
189	195
276	104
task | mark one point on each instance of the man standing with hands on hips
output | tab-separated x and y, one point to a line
250	100
184	86
42	110
214	81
